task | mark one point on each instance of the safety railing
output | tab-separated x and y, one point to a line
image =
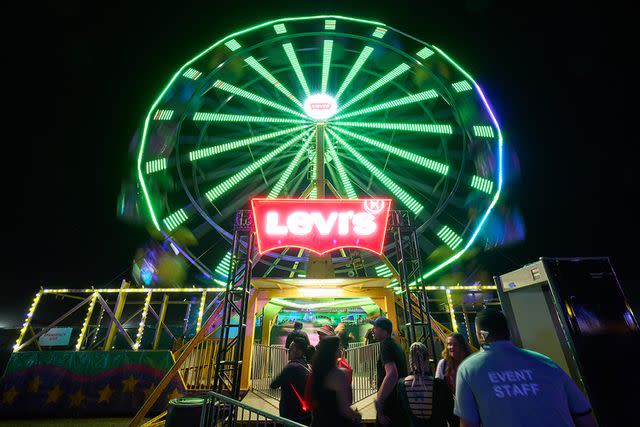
356	344
198	369
222	411
363	361
267	362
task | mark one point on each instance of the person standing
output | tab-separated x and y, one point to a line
455	351
369	338
391	366
345	337
503	385
292	380
297	332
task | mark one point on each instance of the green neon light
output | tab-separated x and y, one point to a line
257	66
399	70
398	192
344	178
379	32
483	131
461	86
353	302
482	184
441	129
229	183
175	219
192	74
326	63
293	59
280	28
233	45
212	151
449	237
163	115
223	266
330	24
422	96
156	165
424	53
227	87
383	271
438	167
362	58
275	191
218	117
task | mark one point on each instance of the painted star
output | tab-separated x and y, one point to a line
76	398
174	394
9	395
54	395
129	384
148	391
34	384
105	394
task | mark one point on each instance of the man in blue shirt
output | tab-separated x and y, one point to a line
503	385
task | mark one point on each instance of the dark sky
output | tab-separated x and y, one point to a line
81	78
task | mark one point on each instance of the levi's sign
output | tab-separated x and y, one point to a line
321	225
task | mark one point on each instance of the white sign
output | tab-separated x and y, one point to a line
55	337
320	107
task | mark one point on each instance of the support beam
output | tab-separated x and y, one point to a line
163	312
120	302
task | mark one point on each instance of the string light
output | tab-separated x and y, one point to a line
201	311
85	325
27	321
143	318
454	324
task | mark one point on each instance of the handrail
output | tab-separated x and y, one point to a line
221	410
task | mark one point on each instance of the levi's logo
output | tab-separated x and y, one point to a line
320	105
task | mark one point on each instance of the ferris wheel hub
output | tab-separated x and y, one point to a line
320	106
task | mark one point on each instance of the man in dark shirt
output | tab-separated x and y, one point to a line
297	332
292	380
391	366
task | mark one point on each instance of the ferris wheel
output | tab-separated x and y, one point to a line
400	120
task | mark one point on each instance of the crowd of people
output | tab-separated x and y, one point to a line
500	385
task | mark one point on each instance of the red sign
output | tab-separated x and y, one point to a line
321	225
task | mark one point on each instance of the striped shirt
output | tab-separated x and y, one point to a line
420	396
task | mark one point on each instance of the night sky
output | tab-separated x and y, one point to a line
81	78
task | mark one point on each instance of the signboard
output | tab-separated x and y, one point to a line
321	225
55	337
320	107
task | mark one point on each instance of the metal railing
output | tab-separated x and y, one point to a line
198	368
363	360
356	344
267	362
222	411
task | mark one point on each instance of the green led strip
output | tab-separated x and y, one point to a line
424	53
230	182
400	194
379	32
212	151
422	96
275	191
399	70
175	219
218	117
280	28
411	127
192	74
482	184
330	24
383	271
156	165
362	58
438	167
227	87
233	44
449	237
163	115
291	54
326	63
223	266
346	182
462	86
257	66
483	131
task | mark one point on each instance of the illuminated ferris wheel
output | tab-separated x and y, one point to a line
399	119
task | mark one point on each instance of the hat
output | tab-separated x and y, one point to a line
327	330
383	323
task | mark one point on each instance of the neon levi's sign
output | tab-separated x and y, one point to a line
320	107
321	225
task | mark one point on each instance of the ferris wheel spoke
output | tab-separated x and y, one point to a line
232	181
344	178
362	58
259	68
234	90
275	191
326	63
429	164
433	128
422	96
293	59
218	117
397	191
396	72
217	149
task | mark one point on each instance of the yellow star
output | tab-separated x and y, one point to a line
34	384
148	391
54	395
129	384
174	394
105	394
76	398
9	395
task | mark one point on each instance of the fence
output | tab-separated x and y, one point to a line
197	371
268	361
222	411
363	360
